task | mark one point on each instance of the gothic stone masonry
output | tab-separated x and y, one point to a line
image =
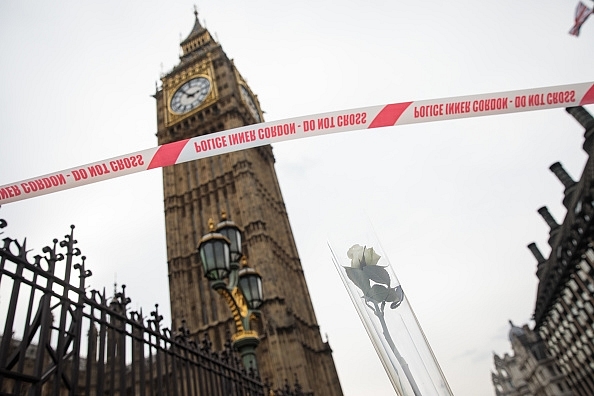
203	94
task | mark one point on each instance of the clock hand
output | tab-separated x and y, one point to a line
191	95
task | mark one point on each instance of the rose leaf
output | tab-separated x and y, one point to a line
358	277
377	293
377	274
395	294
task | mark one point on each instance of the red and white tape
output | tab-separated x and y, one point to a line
300	127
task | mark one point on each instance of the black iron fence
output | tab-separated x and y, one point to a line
58	339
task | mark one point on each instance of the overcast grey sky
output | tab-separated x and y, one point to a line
453	203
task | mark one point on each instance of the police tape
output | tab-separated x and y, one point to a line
301	127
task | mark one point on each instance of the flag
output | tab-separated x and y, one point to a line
581	14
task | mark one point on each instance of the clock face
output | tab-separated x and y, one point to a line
249	101
190	95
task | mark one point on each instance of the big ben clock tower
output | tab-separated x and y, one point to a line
203	94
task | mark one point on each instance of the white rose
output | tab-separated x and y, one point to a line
361	255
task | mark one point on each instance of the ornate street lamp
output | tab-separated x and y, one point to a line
241	286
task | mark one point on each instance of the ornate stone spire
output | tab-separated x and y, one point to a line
567	181
196	30
587	121
546	215
539	257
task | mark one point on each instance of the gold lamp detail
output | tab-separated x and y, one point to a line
240	285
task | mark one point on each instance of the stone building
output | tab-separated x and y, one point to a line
564	314
530	370
205	93
564	310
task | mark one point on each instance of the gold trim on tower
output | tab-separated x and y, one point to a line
248	97
172	83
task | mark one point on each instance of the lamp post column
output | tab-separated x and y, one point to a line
220	253
246	344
